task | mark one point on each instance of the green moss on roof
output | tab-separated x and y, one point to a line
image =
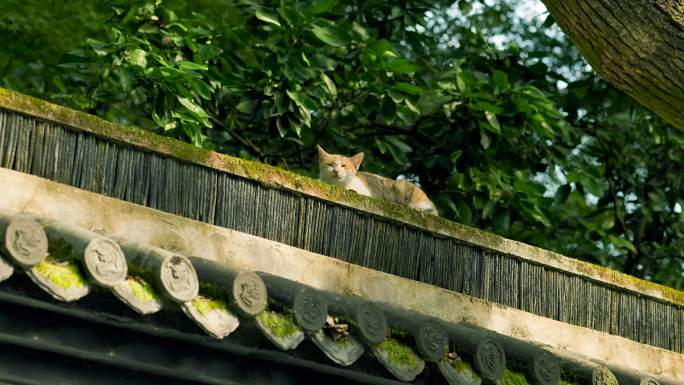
280	325
143	276
461	365
64	274
399	353
141	289
513	378
462	368
61	266
621	280
207	305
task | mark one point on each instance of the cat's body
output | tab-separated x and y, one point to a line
343	171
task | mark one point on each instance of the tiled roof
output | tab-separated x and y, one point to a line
71	264
137	166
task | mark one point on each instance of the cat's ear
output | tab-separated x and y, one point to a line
321	153
357	159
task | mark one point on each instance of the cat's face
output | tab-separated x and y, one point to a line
337	169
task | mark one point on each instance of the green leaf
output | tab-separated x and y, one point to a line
361	31
328	33
382	147
502	221
412	107
493	121
535	213
429	103
282	126
201	88
295	127
594	185
408	88
481	105
622	243
388	108
607	221
301	100
137	57
562	194
396	96
305	117
549	21
208	52
288	13
403	147
321	6
329	85
246	106
465	6
402	66
281	103
185	65
488	209
460	80
267	16
195	110
457	180
465	214
295	97
98	47
501	80
194	132
484	139
148	28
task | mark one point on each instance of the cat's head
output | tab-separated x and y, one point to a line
337	169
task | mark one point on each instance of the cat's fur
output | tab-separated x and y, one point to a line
344	171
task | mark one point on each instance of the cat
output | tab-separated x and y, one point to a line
344	171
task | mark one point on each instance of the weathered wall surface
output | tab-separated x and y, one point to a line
29	194
85	152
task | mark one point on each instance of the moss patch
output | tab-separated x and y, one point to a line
461	366
61	266
207	305
398	353
62	273
142	276
513	378
463	370
280	325
141	289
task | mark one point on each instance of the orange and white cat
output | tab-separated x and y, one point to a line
344	171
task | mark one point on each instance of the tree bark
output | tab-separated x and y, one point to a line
636	45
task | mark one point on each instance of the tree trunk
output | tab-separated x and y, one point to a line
636	45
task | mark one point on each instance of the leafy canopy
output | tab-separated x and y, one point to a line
518	137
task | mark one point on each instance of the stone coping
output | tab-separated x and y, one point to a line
98	213
275	177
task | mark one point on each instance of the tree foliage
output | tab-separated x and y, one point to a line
519	137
